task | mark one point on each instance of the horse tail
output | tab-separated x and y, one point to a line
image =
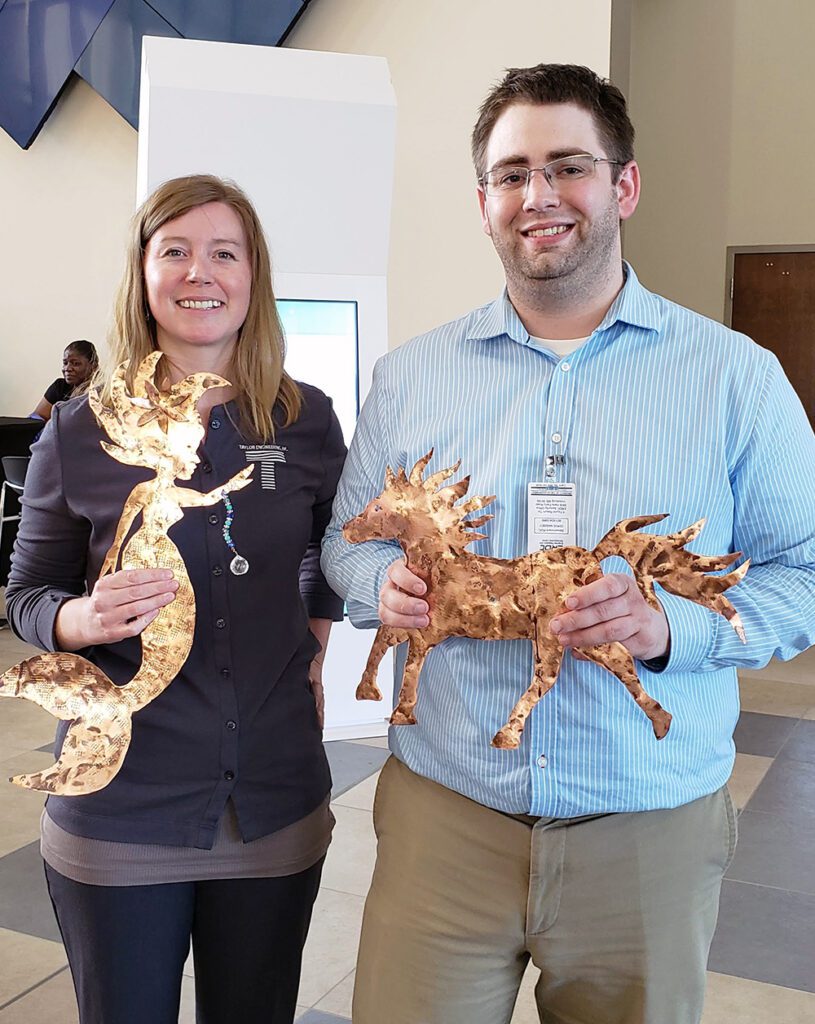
663	559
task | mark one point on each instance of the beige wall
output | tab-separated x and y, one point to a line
720	95
65	202
443	58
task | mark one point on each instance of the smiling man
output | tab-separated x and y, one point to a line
579	398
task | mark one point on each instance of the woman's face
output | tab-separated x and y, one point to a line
198	279
76	368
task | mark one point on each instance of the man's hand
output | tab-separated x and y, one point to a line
612	609
400	601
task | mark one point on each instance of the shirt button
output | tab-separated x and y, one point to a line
557	438
541	761
215	424
217	570
206	468
229	776
220	623
213	519
232	726
550	471
225	673
565	367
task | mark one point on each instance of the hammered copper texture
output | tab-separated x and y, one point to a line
159	430
502	599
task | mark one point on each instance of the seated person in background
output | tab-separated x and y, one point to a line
79	362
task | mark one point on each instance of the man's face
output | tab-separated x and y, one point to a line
568	233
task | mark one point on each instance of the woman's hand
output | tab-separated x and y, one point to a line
315	681
320	628
121	605
397	606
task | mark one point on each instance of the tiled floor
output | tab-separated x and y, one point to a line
762	965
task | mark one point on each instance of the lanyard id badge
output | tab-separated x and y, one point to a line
550	516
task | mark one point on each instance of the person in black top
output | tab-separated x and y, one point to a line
79	363
217	824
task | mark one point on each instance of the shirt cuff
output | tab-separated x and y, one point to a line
692	629
46	620
323	606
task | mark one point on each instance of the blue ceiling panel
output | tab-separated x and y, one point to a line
112	62
252	21
40	42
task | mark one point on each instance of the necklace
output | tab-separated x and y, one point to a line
239	565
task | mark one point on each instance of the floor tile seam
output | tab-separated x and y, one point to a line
759	981
340	892
351	785
31	988
351	807
805	819
773	888
314	1006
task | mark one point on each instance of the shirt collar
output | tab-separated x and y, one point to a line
635	306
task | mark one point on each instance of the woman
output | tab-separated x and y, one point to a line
217	823
79	363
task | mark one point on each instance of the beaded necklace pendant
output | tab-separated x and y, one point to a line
239	566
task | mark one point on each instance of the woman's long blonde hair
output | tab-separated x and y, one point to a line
257	363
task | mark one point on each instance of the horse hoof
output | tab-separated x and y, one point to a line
505	739
368	691
400	718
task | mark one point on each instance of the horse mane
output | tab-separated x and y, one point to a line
429	498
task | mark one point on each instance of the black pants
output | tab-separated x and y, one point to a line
127	945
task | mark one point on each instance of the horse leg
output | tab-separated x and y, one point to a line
548	655
386	637
618	660
417	652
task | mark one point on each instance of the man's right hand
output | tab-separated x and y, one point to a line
400	601
121	605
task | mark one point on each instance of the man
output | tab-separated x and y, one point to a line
593	849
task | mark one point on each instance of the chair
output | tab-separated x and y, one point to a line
14	470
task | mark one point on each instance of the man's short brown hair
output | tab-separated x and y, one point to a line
558	83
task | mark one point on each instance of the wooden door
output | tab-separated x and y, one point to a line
774	302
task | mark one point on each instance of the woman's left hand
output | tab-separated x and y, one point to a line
315	680
320	628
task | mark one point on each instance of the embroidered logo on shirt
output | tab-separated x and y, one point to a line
268	455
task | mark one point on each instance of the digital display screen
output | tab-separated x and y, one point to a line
322	349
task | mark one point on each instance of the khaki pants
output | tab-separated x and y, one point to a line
617	911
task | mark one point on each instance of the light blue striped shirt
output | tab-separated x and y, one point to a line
661	410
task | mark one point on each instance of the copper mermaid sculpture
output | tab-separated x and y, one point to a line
159	430
493	598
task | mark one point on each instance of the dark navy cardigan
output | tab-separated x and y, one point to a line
239	720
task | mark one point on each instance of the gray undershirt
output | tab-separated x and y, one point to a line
98	862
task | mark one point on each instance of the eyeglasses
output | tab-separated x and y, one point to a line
561	174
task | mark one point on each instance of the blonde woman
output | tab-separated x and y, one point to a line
216	826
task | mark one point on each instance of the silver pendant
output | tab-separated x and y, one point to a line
239	566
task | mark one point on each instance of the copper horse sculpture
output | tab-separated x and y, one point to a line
160	431
493	598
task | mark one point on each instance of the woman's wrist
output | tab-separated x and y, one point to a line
70	625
